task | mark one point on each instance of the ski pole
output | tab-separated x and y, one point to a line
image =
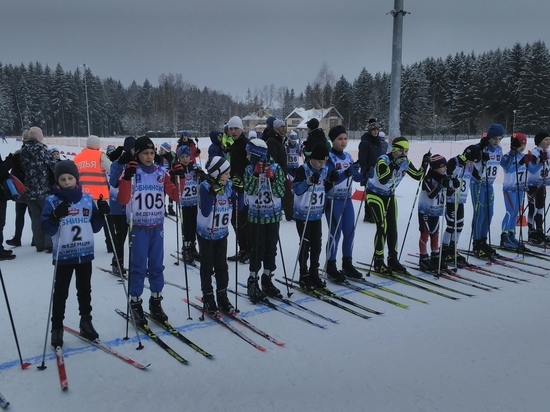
43	364
130	247
410	216
199	156
122	280
179	218
300	245
24	365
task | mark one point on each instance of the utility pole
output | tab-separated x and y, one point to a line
395	91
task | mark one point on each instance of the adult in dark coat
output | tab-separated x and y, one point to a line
315	136
370	149
238	161
276	150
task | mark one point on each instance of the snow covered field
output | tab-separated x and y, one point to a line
485	353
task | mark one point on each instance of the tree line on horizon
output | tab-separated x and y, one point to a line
458	95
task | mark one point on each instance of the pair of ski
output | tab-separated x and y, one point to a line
218	317
266	302
453	276
179	258
332	299
60	359
511	263
482	270
170	329
409	279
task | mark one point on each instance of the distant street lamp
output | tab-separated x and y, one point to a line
87	106
435	124
514	121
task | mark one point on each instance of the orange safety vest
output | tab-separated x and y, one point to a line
92	180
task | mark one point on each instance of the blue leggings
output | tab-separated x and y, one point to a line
483	199
512	201
147	259
346	215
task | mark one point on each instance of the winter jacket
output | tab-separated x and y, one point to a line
370	149
276	148
38	163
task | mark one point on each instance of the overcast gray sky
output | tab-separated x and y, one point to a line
233	45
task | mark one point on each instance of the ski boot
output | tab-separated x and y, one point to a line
57	338
87	328
425	264
209	303
268	287
379	266
395	266
333	273
435	261
349	270
155	308
253	289
223	302
506	242
137	311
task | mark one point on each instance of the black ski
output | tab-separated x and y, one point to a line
176	333
365	282
107	349
152	335
507	262
318	295
297	306
3	402
406	281
269	304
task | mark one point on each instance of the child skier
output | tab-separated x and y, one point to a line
430	208
214	214
293	153
483	192
309	203
165	159
462	168
537	180
389	171
145	213
264	183
339	210
193	176
513	188
66	212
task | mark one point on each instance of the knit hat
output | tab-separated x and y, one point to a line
110	149
518	140
143	143
540	136
214	135
373	126
184	150
270	121
252	135
35	133
54	150
93	142
472	153
312	124
399	143
319	152
235	122
336	131
437	161
185	133
129	143
293	135
217	166
166	146
65	166
257	147
278	123
495	130
381	135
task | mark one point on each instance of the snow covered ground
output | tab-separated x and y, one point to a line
485	353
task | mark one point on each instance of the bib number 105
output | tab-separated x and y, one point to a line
150	201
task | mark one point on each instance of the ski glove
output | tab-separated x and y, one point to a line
313	179
352	170
216	189
103	207
426	159
178	170
485	157
445	182
115	154
130	170
269	173
543	156
456	183
61	211
333	176
125	158
200	174
258	169
528	158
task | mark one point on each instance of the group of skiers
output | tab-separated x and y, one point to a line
251	183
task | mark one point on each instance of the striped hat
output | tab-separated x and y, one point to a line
438	161
217	166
